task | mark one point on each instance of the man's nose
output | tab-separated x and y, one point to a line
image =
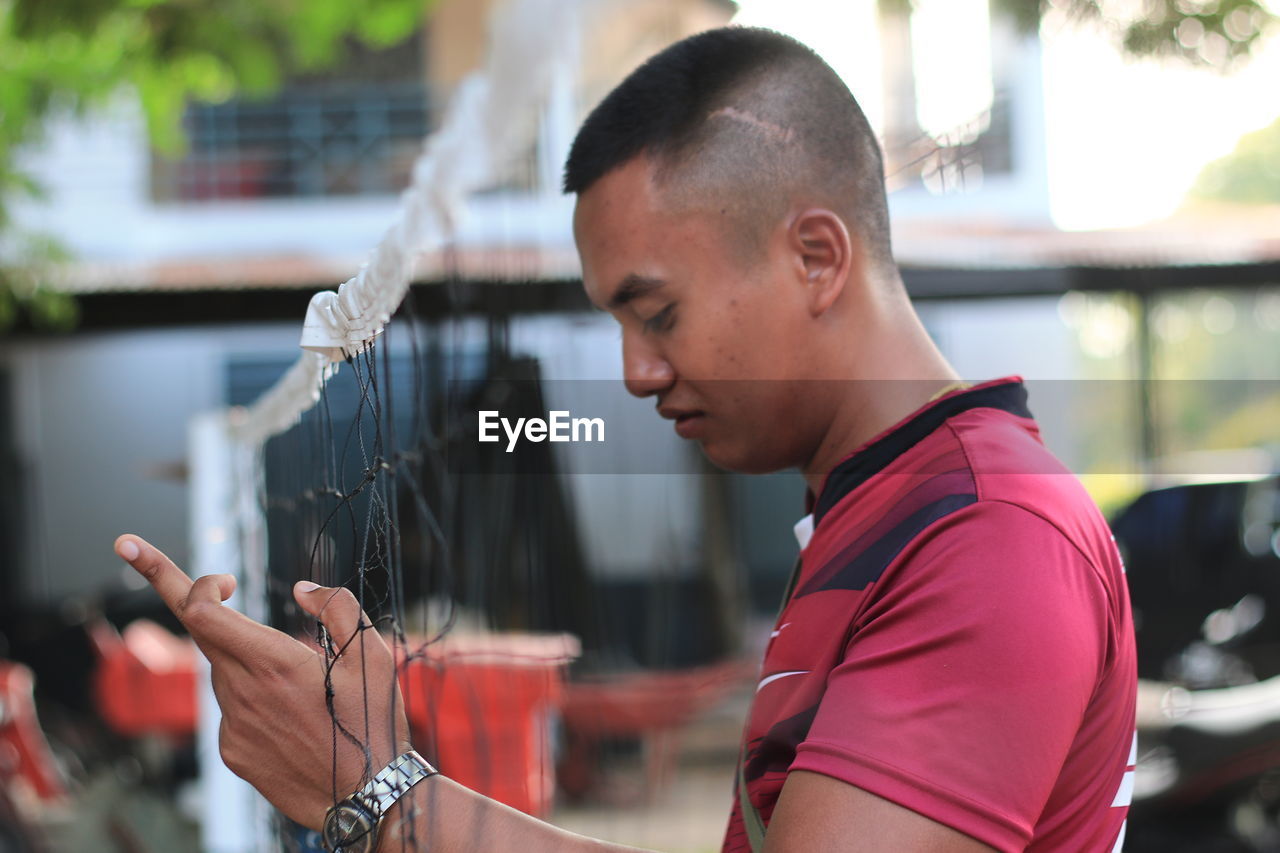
644	370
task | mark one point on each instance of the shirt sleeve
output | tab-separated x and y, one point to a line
967	677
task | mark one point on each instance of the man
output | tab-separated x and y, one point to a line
953	670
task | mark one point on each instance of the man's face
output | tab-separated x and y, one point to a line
713	337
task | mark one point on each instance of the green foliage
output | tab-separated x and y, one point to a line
74	54
26	287
1215	33
1250	174
172	51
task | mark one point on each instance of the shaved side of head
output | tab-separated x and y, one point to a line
743	123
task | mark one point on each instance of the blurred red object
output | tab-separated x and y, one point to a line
652	705
481	707
145	683
649	699
25	757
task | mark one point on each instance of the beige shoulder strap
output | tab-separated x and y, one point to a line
751	820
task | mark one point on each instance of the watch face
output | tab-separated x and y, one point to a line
349	828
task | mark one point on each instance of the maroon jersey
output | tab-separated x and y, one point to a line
958	638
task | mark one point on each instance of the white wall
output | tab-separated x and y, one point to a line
991	338
99	417
1022	194
96	170
103	419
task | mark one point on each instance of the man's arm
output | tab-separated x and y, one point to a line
277	734
816	813
442	816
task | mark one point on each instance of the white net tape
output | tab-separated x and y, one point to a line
492	119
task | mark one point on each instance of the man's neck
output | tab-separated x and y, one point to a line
872	407
909	371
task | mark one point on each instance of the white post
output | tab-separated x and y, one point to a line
558	120
234	818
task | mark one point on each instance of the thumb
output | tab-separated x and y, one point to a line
335	608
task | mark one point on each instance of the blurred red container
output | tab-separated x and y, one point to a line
145	682
26	761
482	707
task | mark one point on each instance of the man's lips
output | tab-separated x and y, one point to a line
671	413
688	421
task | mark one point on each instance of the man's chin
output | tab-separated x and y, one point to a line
739	460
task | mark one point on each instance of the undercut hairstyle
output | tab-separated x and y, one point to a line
747	119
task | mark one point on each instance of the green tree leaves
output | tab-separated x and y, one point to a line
75	54
1250	174
1217	33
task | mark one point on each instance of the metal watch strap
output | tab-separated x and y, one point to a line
393	781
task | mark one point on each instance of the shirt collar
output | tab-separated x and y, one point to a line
1007	394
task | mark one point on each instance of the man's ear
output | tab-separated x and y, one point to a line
825	250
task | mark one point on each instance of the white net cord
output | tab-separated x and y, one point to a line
492	118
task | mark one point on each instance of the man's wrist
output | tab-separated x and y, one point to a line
357	823
405	820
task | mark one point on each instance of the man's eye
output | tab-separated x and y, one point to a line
663	321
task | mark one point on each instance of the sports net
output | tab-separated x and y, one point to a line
340	471
361	467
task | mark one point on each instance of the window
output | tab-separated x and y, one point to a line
352	131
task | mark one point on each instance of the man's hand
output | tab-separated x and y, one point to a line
276	731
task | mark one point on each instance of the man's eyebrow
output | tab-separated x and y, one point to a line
632	286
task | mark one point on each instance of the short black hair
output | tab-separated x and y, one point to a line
790	122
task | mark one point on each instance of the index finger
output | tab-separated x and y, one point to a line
218	630
166	578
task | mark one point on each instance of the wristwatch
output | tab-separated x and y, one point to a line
351	826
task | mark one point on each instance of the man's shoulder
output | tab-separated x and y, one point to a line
976	472
1012	467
